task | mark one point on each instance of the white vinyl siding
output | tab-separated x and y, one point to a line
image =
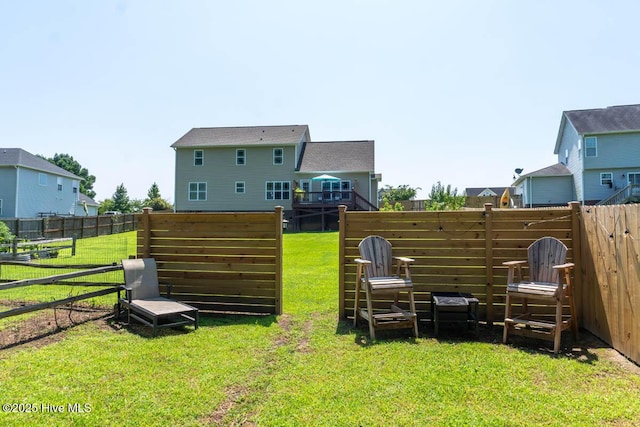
197	191
198	157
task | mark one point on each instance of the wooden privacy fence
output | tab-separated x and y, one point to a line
611	275
459	251
70	226
218	262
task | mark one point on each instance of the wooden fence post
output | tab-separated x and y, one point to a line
146	232
342	227
576	244
488	246
279	256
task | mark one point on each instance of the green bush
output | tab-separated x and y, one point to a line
5	236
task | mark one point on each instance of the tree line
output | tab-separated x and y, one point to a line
440	198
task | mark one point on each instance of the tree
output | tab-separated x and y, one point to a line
68	163
397	194
154	192
155	201
443	198
121	202
5	236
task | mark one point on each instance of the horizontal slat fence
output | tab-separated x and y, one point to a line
218	262
456	251
611	283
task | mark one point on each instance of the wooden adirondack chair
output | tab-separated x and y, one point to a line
549	284
375	277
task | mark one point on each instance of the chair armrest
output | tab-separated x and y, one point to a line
565	265
169	286
127	290
362	261
513	265
404	259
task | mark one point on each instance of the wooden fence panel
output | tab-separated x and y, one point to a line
218	262
55	227
611	291
459	251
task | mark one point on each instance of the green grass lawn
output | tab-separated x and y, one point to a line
306	368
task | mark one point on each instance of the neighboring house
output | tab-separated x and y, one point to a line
476	197
256	168
31	187
90	204
550	186
598	158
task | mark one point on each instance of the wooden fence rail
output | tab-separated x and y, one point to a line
70	226
218	262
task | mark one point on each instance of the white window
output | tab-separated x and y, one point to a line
197	191
239	187
278	190
42	179
241	156
606	178
591	146
566	157
59	184
278	156
336	190
198	157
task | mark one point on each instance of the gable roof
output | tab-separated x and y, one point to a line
475	191
619	118
19	157
338	156
554	170
242	136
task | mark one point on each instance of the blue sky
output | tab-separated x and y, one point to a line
461	92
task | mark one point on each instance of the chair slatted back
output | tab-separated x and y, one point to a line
543	254
377	250
141	275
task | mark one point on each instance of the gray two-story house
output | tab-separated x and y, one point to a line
256	168
31	186
598	160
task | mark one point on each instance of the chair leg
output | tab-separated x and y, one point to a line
507	314
356	303
412	307
557	331
372	331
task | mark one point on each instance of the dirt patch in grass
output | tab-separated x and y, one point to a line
48	326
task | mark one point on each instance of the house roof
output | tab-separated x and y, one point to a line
554	170
338	156
22	158
247	135
88	200
620	118
475	191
